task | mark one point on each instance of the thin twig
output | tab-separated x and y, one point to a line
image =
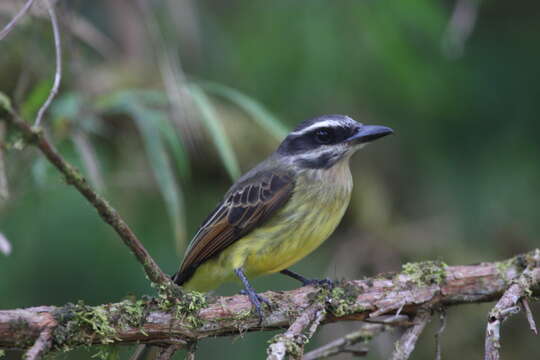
190	353
58	70
73	177
41	346
529	314
139	352
4	189
442	318
508	304
7	29
406	344
364	334
392	320
293	340
168	352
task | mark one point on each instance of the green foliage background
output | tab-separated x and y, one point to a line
458	181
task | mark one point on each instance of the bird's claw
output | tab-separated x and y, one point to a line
257	301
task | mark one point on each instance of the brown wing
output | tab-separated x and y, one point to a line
246	206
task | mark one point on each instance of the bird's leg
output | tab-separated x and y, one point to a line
255	298
306	281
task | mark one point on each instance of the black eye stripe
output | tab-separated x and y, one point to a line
297	143
324	135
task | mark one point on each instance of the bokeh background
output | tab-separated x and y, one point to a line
164	103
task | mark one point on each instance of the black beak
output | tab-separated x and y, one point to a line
368	133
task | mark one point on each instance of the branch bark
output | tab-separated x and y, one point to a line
41	346
343	344
183	324
508	304
406	344
58	68
7	29
302	329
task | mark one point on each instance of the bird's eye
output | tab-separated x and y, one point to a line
324	136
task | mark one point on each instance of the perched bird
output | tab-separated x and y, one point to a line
281	210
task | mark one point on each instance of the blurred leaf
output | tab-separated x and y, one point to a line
5	102
4	189
173	142
154	98
67	106
149	121
255	109
149	97
88	154
216	130
40	169
5	245
35	99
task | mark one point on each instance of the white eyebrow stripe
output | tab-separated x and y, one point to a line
322	124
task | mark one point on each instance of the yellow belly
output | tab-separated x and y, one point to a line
304	223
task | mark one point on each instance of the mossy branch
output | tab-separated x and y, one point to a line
169	321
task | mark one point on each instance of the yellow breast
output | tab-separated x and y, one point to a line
315	209
308	219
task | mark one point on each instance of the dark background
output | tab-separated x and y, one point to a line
149	108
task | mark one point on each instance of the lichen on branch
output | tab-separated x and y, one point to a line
182	320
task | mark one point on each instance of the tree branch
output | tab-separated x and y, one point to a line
302	329
163	322
367	332
530	317
7	29
508	304
41	346
58	69
406	344
36	137
168	352
438	334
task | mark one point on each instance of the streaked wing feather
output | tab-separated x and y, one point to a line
245	207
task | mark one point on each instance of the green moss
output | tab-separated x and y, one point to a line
426	272
339	300
521	261
186	305
131	313
532	258
293	348
80	323
74	176
18	327
502	268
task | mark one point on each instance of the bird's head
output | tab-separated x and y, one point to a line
321	142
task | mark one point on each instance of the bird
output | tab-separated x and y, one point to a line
279	211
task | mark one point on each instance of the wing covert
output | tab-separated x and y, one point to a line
246	206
